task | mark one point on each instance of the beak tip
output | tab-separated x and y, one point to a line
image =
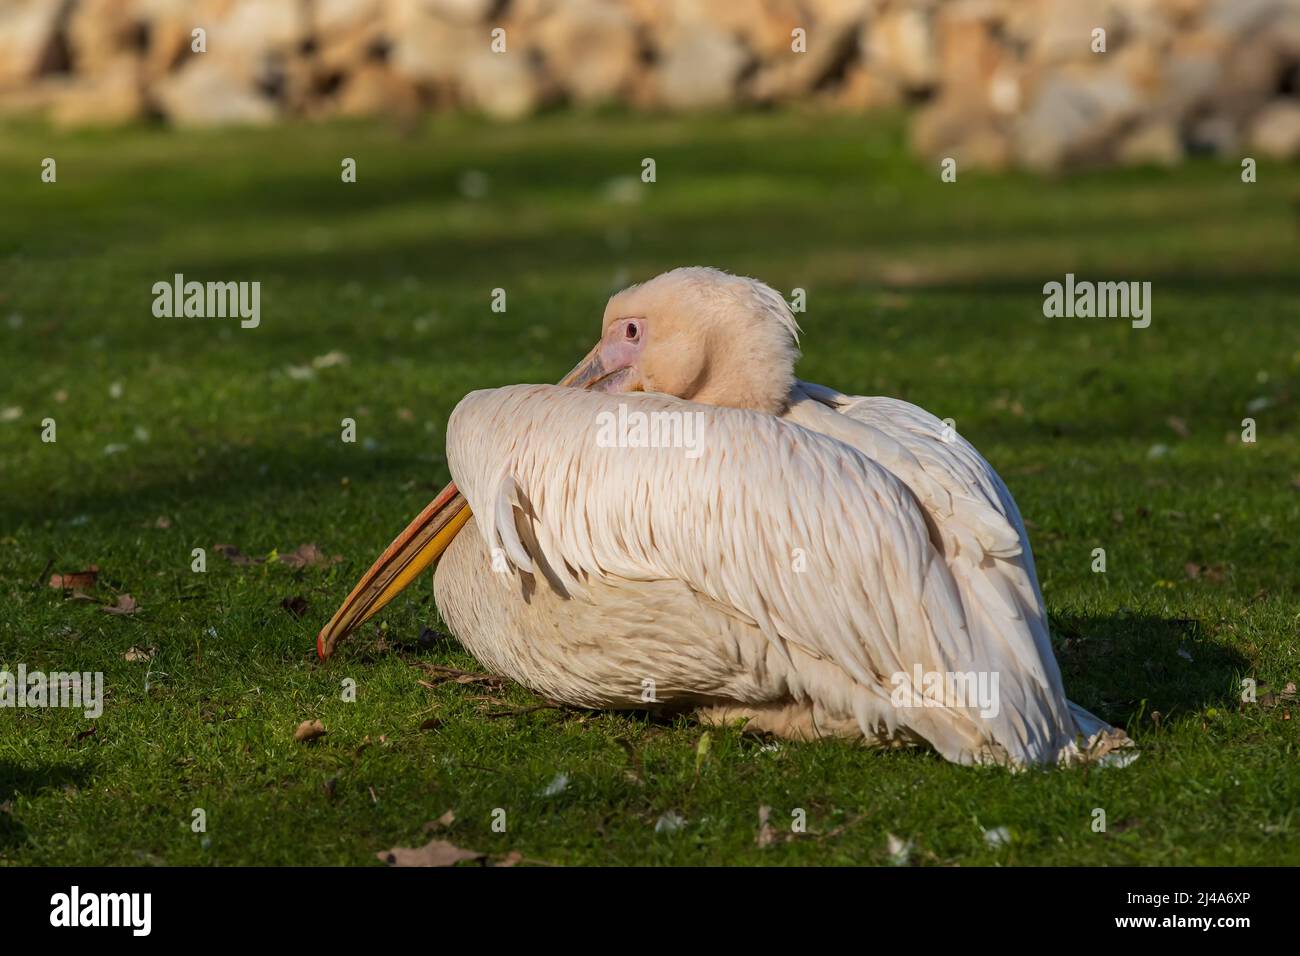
321	652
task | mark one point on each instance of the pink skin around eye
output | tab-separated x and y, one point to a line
622	343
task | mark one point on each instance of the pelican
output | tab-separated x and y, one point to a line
682	523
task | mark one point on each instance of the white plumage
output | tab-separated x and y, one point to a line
873	599
798	564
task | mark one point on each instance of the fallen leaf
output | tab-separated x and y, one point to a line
308	730
900	851
1179	426
163	523
510	859
999	836
444	821
557	786
670	822
330	360
433	853
1210	572
78	580
125	605
134	654
765	832
308	556
234	555
431	723
296	605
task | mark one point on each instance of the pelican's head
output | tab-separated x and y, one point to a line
699	334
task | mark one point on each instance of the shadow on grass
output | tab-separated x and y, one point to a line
1122	667
16	780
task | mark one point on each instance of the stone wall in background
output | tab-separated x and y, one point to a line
991	82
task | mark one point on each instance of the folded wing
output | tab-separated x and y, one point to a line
823	547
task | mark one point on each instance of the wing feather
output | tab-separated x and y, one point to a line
879	595
982	539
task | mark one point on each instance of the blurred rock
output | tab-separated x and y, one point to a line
373	89
101	31
830	49
864	90
1154	144
1275	133
995	82
348	34
900	43
29	35
462	11
591	49
1073	117
112	98
503	86
701	68
205	93
428	49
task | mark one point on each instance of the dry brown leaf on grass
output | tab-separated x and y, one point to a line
135	654
433	853
1210	572
309	556
235	556
125	605
1271	698
77	580
308	730
444	821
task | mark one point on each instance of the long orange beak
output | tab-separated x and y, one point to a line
424	540
421	544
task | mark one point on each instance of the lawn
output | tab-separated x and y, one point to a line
176	434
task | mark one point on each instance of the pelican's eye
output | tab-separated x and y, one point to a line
632	331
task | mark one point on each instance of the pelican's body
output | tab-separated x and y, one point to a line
798	558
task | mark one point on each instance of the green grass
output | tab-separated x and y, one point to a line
916	288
